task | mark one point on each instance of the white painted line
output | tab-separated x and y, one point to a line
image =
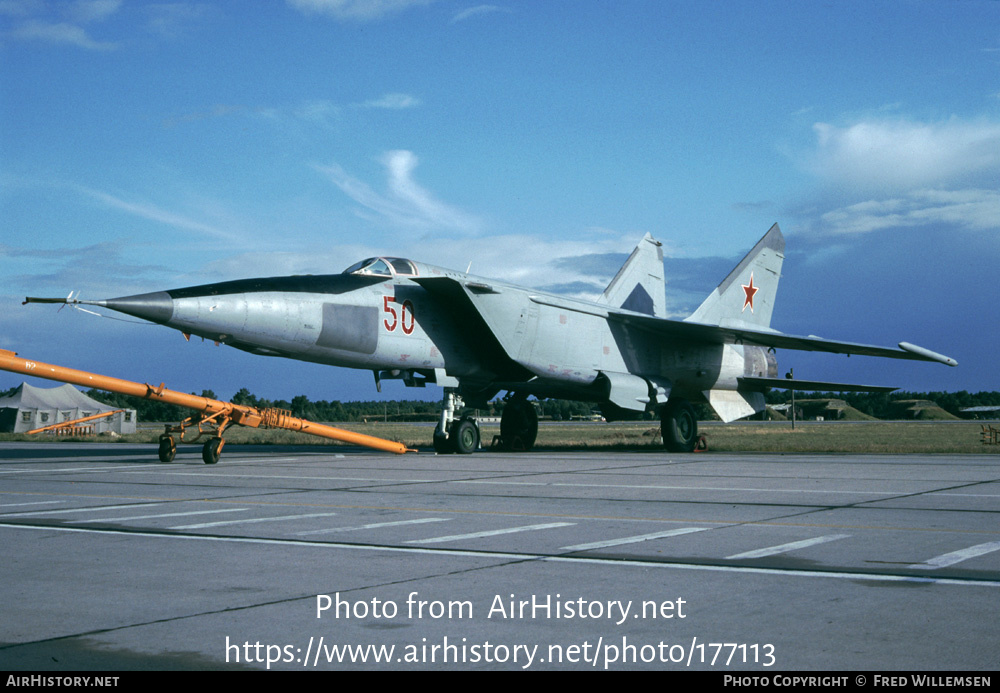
59	470
99	508
634	540
660	487
490	533
377	525
785	548
578	560
253	520
947	559
14	505
279	477
149	517
968	495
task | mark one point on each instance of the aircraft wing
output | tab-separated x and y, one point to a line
724	334
455	296
459	294
752	383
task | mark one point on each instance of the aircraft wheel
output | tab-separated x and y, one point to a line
679	426
464	436
210	453
442	445
518	425
168	449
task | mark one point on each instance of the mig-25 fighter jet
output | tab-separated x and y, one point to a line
477	337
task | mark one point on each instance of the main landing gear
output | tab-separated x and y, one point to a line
518	425
679	425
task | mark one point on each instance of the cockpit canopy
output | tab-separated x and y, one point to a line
382	267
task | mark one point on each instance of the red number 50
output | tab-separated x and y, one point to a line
405	318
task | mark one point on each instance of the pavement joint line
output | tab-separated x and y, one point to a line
151	517
88	509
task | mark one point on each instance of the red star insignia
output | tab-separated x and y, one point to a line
749	290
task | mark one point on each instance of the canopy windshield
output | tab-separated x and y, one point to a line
382	267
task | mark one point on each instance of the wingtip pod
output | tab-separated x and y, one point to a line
927	354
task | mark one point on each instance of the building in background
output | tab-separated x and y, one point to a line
30	408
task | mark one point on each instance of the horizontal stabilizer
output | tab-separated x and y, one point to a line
731	334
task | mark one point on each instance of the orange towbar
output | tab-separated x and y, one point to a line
71	427
213	416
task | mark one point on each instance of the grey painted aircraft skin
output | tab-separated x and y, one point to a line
476	337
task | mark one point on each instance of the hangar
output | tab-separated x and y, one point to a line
30	407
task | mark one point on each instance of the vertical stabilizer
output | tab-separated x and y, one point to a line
638	286
746	296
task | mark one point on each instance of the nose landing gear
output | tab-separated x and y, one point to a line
454	434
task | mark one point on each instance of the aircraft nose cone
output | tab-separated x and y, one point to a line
156	307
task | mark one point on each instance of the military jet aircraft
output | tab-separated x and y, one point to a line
477	337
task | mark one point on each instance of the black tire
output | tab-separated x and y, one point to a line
679	426
168	449
210	453
442	444
464	436
518	425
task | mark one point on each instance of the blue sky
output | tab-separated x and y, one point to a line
148	145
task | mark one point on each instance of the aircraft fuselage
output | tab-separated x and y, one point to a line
535	342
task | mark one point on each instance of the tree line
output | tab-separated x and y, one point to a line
878	405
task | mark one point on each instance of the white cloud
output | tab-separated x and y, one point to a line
355	10
896	174
70	23
531	260
60	33
405	202
524	259
881	155
20	8
477	11
86	11
317	111
64	24
170	20
974	209
157	214
394	101
101	268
